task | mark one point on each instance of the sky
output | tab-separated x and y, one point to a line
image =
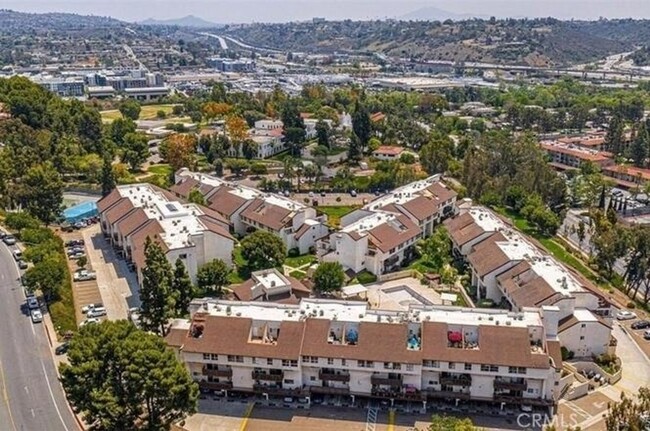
241	11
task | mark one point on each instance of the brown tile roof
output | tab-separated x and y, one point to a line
231	335
421	207
215	227
176	337
392	347
224	202
151	229
463	229
132	221
107	201
526	288
389	235
388	150
302	230
120	209
184	187
441	191
572	320
498	345
487	256
555	352
215	216
266	214
299	290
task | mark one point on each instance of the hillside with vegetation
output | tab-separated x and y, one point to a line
540	42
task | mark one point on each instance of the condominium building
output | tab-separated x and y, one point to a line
381	236
246	209
331	347
132	213
515	273
570	156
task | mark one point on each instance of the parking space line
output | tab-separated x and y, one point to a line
391	420
247	414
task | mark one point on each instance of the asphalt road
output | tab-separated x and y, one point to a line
31	397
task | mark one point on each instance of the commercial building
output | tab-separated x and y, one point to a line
342	348
247	209
146	93
381	236
62	86
508	269
230	65
132	213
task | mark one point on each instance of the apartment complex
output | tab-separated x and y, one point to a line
514	273
195	234
271	285
570	156
331	347
246	209
381	236
269	137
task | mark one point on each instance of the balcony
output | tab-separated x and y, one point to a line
460	380
326	390
510	385
386	381
334	376
450	395
215	386
277	390
405	394
220	372
267	377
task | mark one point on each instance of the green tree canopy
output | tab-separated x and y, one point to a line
182	288
42	192
130	109
122	378
156	295
329	277
263	250
213	276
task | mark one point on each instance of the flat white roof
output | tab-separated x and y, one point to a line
584	315
358	311
353	290
402	194
369	222
269	279
486	219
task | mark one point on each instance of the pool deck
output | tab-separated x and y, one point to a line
381	297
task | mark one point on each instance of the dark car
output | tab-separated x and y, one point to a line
62	349
641	324
22	264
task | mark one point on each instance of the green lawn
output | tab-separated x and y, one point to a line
335	212
147	112
161	169
297	261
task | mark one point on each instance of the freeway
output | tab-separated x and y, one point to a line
31	397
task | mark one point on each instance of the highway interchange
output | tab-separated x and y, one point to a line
31	397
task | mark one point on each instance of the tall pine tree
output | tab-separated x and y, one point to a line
361	123
181	288
156	295
640	146
108	177
614	137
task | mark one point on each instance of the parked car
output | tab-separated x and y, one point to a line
646	334
74	242
77	255
22	264
625	315
17	254
32	303
86	308
84	275
96	312
9	240
323	194
62	349
641	324
75	250
37	316
353	193
89	321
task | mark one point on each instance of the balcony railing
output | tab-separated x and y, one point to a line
518	399
215	386
389	381
326	390
510	385
334	376
275	390
456	380
398	394
222	372
432	393
260	375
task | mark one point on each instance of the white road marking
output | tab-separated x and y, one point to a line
33	414
26	389
33	330
49	386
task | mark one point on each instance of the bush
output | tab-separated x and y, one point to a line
21	220
161	114
338	199
258	169
365	277
294	252
631	305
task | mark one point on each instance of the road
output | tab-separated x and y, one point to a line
221	40
31	397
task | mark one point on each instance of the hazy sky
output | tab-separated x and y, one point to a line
227	11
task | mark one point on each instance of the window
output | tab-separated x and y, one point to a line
289	363
468	367
254	360
530	390
490	368
182	256
451	366
365	364
430	364
409	367
269	361
584	325
206	356
314	359
517	370
235	358
330	361
582	337
312	378
214	356
288	381
343	362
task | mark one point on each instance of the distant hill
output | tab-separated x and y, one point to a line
435	14
186	21
20	21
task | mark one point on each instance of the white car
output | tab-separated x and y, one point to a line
37	316
86	308
32	303
89	321
96	312
84	275
625	315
